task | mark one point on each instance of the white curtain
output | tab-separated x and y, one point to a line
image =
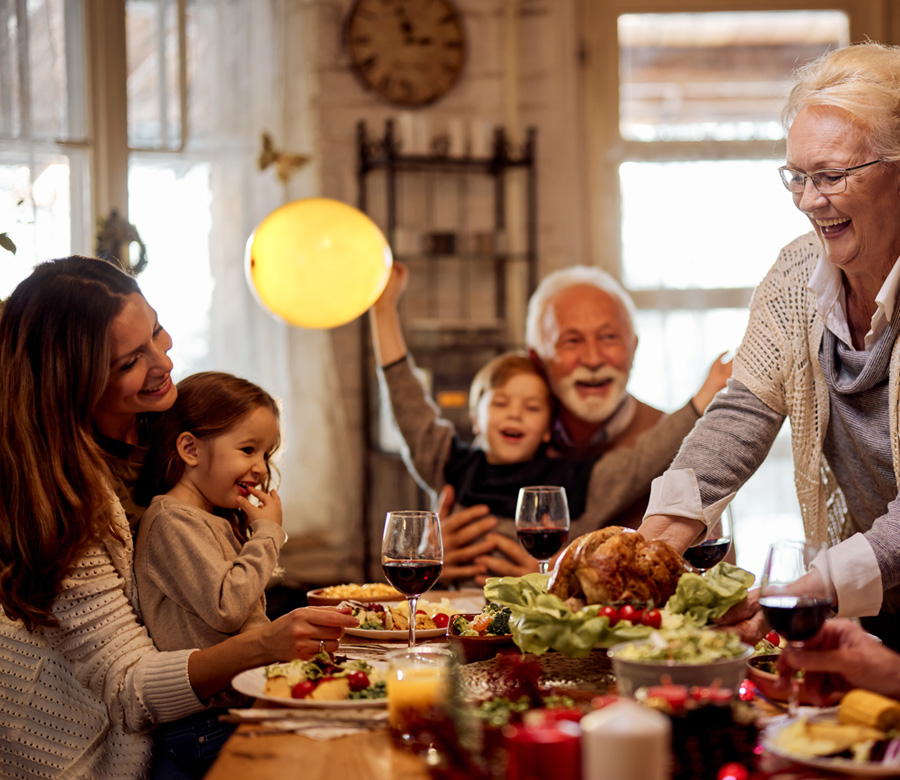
244	90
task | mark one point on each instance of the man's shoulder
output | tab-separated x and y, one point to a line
644	418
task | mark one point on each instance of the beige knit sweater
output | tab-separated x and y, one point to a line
76	701
778	361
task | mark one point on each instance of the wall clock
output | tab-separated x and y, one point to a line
409	52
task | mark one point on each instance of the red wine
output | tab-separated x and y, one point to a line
412	577
542	543
795	618
708	554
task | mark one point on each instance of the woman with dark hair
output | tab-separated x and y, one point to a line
81	349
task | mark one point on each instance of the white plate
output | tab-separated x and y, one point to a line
842	766
253	683
371	633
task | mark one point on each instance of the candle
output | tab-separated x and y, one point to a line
543	750
626	741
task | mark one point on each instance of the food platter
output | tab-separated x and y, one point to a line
252	682
371	633
843	766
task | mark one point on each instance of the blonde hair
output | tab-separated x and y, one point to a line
535	322
497	372
863	80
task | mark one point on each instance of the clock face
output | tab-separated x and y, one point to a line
410	52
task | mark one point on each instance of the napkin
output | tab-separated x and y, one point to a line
316	723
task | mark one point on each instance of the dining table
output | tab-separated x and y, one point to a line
275	743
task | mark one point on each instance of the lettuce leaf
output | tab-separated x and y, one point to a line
707	597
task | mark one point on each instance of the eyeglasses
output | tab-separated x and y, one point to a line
828	181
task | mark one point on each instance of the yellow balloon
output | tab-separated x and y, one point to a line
317	262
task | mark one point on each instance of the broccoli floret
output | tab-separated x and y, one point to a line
499	624
493	607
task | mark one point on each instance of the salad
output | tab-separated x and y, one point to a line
325	678
686	646
493	621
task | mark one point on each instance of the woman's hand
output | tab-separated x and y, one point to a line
463	534
298	634
746	619
840	657
267	508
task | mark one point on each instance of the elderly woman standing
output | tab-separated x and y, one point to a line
821	346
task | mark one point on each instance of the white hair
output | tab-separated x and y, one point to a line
535	322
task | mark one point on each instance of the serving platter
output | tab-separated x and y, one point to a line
843	766
252	682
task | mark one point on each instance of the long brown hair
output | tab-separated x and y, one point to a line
208	405
54	484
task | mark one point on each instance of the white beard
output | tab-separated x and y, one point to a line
595	408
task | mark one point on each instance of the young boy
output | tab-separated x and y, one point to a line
512	410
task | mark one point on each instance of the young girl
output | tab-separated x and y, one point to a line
204	551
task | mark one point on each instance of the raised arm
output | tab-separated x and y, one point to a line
384	317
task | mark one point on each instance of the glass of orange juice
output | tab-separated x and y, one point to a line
418	681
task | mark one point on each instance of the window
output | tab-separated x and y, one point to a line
688	207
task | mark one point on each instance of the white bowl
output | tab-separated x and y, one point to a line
631	675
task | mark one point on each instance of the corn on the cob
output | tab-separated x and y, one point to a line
869	709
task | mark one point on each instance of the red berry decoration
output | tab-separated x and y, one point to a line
734	771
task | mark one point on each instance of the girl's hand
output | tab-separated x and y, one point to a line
268	508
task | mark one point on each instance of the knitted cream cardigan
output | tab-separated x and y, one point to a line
779	362
77	701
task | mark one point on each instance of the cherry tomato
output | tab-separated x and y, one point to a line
631	614
652	618
303	689
421	612
774	638
441	620
358	680
611	614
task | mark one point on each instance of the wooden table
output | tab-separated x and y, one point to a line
366	756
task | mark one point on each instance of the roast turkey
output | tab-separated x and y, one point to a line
616	564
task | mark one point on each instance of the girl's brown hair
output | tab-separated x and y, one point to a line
54	485
208	405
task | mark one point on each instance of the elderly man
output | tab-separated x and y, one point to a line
580	328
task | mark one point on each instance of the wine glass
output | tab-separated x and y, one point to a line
412	556
796	597
542	522
716	545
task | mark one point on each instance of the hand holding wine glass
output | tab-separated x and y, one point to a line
542	522
412	556
716	545
796	597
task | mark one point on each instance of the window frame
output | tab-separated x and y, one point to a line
606	150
